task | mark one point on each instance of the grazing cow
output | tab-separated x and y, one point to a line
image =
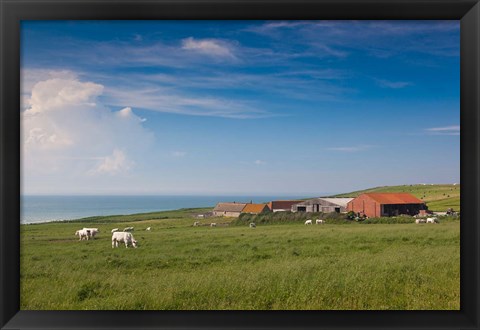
149	228
432	220
196	223
123	237
115	229
83	234
213	224
253	225
308	222
319	222
420	221
93	231
128	229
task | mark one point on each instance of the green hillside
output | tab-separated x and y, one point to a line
438	197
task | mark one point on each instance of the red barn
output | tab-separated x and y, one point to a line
386	204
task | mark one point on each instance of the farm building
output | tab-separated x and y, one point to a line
228	209
255	208
325	205
281	206
386	204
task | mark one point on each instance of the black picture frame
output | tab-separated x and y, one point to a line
13	11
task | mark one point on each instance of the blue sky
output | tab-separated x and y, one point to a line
238	107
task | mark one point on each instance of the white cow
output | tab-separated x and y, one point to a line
420	221
83	234
93	231
123	237
253	225
431	220
213	224
319	222
196	223
308	222
115	229
149	228
128	229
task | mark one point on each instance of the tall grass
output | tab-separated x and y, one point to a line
275	266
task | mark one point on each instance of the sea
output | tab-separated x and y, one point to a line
35	209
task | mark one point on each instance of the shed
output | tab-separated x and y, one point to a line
279	206
323	204
228	209
386	204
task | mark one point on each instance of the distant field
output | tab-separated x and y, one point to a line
438	197
286	266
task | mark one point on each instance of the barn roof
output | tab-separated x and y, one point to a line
341	201
276	205
394	198
229	207
325	201
254	208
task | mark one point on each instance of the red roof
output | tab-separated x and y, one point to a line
394	198
282	205
253	208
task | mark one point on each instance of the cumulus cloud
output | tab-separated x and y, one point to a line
30	77
66	130
116	163
211	47
58	94
127	113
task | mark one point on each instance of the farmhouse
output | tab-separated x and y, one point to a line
281	206
255	208
386	204
325	205
228	209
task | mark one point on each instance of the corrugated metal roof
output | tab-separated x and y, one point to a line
282	205
340	201
229	207
326	201
394	198
254	208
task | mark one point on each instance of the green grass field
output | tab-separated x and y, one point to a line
277	266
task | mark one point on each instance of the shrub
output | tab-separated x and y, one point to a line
289	217
351	215
389	220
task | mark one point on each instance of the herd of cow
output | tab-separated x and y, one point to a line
126	236
118	236
427	220
317	222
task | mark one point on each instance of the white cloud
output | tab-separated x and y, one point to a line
67	131
447	130
392	84
59	94
127	113
30	77
211	47
260	162
116	163
443	129
165	100
376	38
